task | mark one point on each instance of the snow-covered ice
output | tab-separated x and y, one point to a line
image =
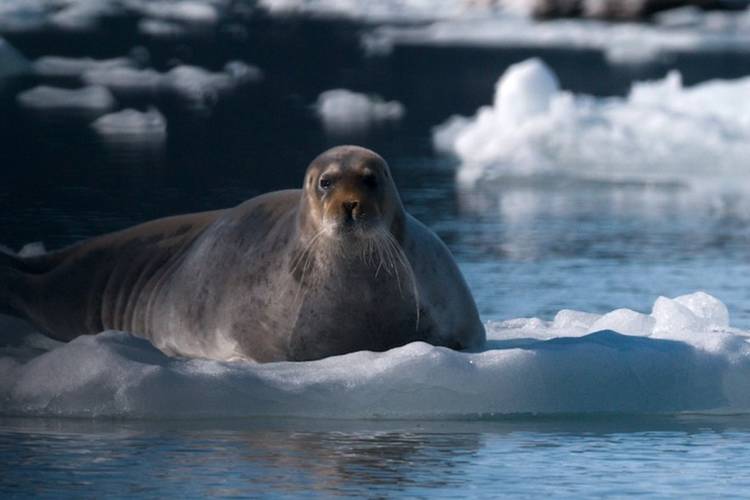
681	357
661	131
343	110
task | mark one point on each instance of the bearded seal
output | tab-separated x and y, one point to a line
336	267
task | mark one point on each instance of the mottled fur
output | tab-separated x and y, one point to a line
289	275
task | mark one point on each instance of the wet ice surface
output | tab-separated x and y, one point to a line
681	357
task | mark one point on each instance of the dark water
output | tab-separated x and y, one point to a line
527	249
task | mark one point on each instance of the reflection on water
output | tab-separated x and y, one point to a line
689	455
535	246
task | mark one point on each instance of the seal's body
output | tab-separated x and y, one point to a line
336	267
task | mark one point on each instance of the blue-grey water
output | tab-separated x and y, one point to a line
659	457
526	248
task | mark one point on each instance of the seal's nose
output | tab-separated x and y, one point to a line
349	208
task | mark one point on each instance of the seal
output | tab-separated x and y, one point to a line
336	267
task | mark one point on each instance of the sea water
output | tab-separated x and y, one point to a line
685	457
611	284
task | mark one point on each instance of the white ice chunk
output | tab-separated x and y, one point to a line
197	86
526	90
158	28
150	124
184	11
625	321
671	317
621	43
390	10
90	100
194	86
574	321
706	307
662	131
70	67
126	81
342	110
83	15
242	73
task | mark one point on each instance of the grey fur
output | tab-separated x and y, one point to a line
266	280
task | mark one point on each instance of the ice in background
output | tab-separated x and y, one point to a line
343	111
683	356
660	132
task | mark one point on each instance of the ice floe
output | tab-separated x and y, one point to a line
342	110
681	357
196	87
385	10
74	67
126	81
184	11
509	23
621	43
91	100
131	123
83	15
661	131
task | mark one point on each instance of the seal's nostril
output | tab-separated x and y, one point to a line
349	206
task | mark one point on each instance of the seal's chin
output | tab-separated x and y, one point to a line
357	230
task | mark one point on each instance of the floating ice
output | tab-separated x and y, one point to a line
83	15
386	10
342	110
201	89
74	67
662	131
681	357
126	81
150	125
91	100
196	87
624	43
157	28
184	11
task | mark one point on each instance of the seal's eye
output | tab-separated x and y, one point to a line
370	180
325	183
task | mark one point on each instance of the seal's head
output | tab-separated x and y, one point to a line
350	194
